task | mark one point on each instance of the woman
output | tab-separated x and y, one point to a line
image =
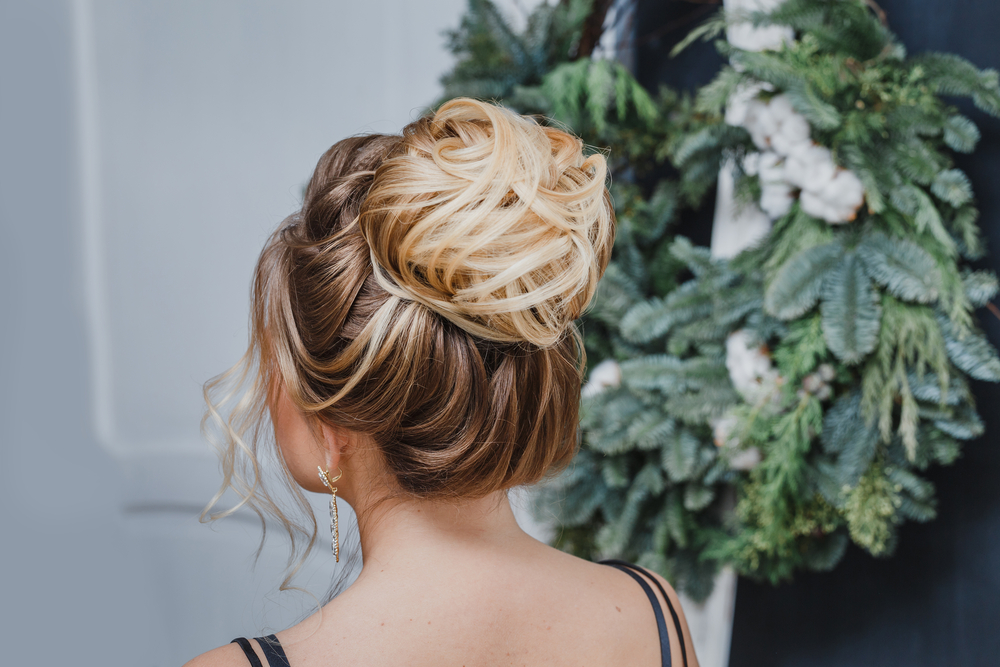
413	341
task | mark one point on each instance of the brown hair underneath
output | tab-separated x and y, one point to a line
425	296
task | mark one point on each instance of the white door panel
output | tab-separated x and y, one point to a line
147	149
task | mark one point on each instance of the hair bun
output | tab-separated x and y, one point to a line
491	220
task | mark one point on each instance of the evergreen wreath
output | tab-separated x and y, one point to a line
763	412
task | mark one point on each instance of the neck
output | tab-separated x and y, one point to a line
420	533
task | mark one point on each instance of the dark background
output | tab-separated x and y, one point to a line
937	600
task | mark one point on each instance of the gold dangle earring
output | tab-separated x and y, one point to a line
334	526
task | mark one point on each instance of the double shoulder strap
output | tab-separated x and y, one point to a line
640	575
271	648
275	654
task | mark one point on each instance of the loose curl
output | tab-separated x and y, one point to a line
425	296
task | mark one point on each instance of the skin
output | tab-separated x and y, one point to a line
453	583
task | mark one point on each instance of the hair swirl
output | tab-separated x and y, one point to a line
494	222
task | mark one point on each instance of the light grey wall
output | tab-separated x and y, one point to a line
63	545
147	148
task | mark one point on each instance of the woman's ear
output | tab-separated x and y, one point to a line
335	442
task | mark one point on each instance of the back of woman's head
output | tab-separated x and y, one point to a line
425	296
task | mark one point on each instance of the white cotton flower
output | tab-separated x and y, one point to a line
816	206
799	151
781	108
745	459
760	138
839	199
831	212
812	383
772	124
770	168
722	435
796	127
745	36
750	369
811	168
739	101
776	199
722	430
760	123
845	189
792	135
736	110
605	374
788	159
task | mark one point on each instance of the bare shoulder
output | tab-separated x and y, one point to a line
607	581
230	655
577	567
680	633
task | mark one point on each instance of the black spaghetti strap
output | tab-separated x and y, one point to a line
661	622
673	615
248	651
273	651
670	605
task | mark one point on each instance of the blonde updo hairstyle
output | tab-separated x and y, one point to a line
425	295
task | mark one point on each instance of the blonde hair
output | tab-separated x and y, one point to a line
425	296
